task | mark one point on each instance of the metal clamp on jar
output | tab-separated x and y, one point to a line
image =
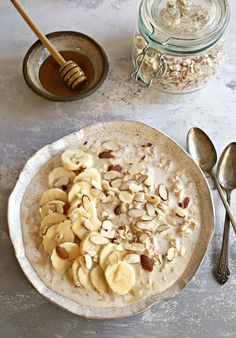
178	46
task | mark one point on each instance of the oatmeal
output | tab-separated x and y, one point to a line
117	220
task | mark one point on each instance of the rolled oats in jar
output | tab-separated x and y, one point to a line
178	46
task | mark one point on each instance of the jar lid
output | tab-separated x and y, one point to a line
183	26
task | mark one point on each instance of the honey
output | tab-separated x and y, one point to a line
51	80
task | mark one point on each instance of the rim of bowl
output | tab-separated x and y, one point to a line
57	98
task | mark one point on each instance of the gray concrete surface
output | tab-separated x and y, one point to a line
27	122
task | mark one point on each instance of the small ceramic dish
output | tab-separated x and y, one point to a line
66	41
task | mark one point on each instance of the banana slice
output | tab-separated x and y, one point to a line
79	229
75	269
89	175
94	219
53	194
60	261
87	246
104	254
60	176
58	234
98	279
50	220
120	277
85	280
50	207
64	232
49	241
79	188
73	159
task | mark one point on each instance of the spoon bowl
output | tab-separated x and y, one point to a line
226	169
204	154
201	149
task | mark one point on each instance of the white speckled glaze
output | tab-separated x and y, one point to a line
123	127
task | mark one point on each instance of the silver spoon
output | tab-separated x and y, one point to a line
203	152
226	173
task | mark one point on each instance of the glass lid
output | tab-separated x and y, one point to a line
183	25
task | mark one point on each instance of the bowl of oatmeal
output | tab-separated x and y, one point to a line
111	219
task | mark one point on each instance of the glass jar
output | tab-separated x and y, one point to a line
178	46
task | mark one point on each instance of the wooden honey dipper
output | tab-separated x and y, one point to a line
70	72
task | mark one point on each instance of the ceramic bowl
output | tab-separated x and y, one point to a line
66	41
21	201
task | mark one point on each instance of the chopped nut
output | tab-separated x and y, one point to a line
118	210
106	154
146	263
170	254
66	208
115	167
186	202
62	252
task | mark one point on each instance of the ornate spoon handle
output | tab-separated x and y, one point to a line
222	270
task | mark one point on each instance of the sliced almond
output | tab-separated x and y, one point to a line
96	184
135	187
110	175
86	202
108	233
136	213
150	209
88	224
132	258
125	197
139	247
162	228
139	197
107	225
180	212
116	183
149	181
145	225
143	178
160	258
147	218
144	238
99	240
163	192
135	168
82	212
88	261
170	254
